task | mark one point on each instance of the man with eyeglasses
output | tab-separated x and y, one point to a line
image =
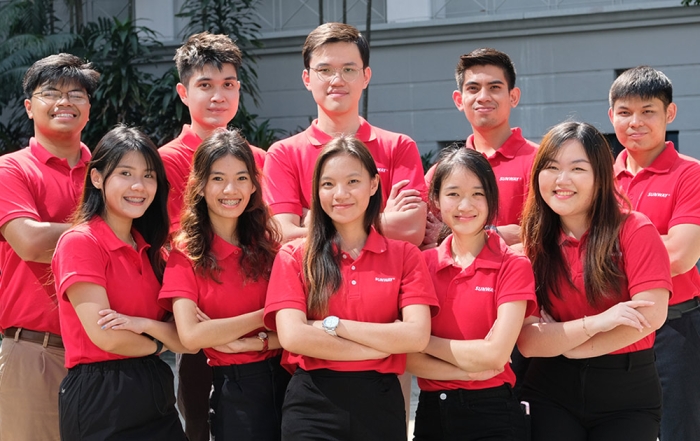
39	188
336	61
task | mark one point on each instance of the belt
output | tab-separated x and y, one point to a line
43	338
677	311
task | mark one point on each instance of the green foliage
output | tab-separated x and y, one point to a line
690	2
166	112
428	159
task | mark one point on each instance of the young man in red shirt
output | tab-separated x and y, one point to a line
40	186
665	186
208	66
486	95
336	71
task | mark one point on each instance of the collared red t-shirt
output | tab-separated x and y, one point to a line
289	165
37	185
668	192
177	158
645	264
469	299
387	276
233	296
512	164
92	253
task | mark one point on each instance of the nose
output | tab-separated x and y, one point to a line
464	204
137	184
340	191
563	176
636	120
217	96
62	98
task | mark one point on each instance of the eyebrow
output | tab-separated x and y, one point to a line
490	82
575	161
200	79
216	172
352	63
453	187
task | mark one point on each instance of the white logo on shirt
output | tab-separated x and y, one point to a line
510	178
384	279
653	194
382	170
483	288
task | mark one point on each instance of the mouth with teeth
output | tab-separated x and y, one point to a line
63	115
564	193
230	202
135	200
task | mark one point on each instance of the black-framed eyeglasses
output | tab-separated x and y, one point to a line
326	74
53	96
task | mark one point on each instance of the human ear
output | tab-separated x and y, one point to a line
96	178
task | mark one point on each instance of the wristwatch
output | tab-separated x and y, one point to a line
262	335
329	324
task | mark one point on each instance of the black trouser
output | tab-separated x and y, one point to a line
193	390
246	403
607	398
492	414
348	406
130	400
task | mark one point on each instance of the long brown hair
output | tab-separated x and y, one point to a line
256	233
541	226
322	253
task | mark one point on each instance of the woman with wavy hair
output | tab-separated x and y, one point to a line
603	280
216	281
108	269
348	304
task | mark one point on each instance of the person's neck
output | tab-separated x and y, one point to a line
120	227
64	147
488	141
352	239
575	226
346	124
464	249
225	229
638	160
201	131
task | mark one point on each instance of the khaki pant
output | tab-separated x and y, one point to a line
30	376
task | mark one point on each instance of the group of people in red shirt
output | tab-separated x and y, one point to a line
292	285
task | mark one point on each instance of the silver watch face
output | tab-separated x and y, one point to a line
262	335
331	322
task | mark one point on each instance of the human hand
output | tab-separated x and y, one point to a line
402	200
111	319
305	218
484	375
624	313
201	316
243	344
433	226
545	317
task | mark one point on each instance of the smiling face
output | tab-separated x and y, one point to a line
227	193
463	204
567	185
345	188
57	119
640	123
336	97
212	97
128	191
485	98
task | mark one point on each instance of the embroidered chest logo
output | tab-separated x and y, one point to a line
382	169
654	194
483	288
510	179
384	279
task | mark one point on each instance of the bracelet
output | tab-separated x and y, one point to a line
584	327
159	346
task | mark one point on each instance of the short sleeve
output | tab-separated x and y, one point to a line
282	188
646	262
516	282
286	289
179	280
686	209
408	165
17	198
78	258
416	285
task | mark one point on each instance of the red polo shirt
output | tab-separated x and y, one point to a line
469	299
177	158
34	184
289	166
387	276
645	264
668	192
512	164
232	297
92	253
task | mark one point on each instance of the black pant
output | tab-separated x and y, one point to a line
492	414
246	403
349	406
130	400
193	390
608	398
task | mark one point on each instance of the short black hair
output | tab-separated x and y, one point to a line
485	56
643	82
60	69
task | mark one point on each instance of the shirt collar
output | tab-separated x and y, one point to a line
509	148
491	256
662	163
565	238
113	243
223	249
319	138
43	155
189	138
